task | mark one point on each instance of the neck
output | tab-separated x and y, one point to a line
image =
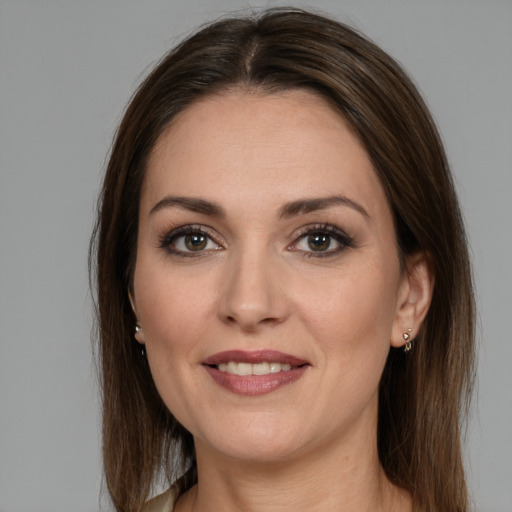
345	478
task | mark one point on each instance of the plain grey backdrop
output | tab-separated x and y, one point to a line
67	69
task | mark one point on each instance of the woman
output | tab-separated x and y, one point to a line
284	293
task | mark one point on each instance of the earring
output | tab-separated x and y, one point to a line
407	337
138	330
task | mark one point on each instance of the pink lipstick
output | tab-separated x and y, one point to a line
254	373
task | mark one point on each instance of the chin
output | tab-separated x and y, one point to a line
254	443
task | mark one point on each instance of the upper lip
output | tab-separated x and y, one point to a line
254	357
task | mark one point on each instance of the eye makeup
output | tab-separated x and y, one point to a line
319	240
189	241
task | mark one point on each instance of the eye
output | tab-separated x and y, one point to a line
323	240
187	240
193	242
317	242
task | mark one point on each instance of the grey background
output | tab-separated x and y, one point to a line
67	70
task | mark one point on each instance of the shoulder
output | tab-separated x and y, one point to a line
161	503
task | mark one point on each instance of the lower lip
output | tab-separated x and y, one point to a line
254	385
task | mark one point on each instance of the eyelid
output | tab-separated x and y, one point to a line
340	236
167	239
345	240
322	227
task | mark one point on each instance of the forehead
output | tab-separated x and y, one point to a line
284	145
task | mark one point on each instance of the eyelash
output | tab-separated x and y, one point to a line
345	241
167	241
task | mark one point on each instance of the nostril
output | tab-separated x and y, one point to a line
270	320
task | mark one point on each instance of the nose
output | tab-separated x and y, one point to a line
253	292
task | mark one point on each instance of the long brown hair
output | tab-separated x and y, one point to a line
424	394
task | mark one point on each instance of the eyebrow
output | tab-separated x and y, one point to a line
298	207
308	205
189	203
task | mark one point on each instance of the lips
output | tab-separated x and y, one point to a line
264	368
259	356
254	373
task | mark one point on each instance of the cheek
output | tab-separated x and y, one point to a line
166	309
172	310
354	313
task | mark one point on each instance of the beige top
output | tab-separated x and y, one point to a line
161	503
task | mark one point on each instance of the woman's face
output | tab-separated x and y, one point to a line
267	281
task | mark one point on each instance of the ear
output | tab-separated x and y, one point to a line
139	334
414	297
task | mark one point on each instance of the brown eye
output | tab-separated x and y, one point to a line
319	242
187	240
195	242
322	241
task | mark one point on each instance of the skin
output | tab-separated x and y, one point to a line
258	284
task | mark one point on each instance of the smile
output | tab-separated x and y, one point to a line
254	373
234	368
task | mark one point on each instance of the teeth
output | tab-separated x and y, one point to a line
244	368
265	368
260	369
275	367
